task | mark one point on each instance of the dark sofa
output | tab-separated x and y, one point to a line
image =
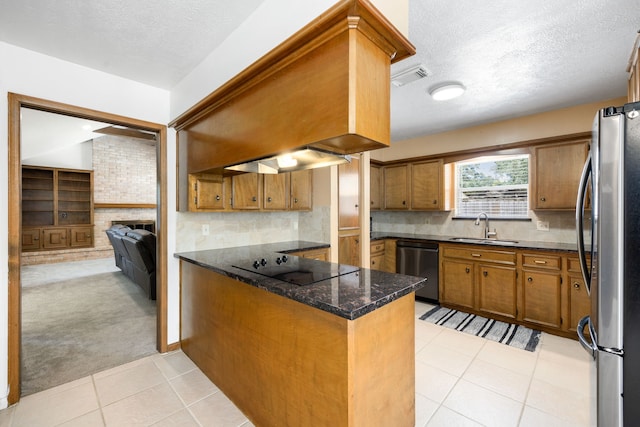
135	255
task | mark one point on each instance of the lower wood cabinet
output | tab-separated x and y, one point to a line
477	279
542	298
56	238
322	254
539	289
497	288
377	255
459	277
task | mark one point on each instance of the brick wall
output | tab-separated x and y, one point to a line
124	171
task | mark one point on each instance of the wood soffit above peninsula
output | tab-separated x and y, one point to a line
327	86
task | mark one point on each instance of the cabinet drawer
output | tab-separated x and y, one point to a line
542	261
377	247
501	257
573	265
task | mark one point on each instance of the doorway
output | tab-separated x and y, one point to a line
16	103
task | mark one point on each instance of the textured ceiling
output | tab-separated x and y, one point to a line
152	41
515	57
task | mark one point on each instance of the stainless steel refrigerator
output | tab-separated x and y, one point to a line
608	228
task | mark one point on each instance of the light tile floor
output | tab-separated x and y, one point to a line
461	380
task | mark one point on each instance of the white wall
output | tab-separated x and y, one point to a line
29	73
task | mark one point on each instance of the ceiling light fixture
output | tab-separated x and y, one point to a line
446	91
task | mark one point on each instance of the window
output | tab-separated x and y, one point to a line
497	185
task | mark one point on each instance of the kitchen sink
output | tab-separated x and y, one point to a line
480	241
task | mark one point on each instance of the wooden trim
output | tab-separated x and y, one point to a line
15	102
521	147
125	206
14	210
173	346
299	43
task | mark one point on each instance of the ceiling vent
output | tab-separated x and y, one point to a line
409	75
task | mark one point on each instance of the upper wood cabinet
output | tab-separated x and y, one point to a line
301	190
276	195
245	191
633	68
419	186
349	195
427	185
396	187
376	191
250	191
556	174
207	192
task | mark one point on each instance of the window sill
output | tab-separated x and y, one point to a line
473	218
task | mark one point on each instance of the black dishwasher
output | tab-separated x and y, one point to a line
415	258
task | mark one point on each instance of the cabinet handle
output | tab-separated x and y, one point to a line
269	199
467	270
485	273
530	279
217	197
373	263
295	200
372	203
476	255
254	199
543	199
356	206
435	202
404	202
576	285
357	241
36	238
538	261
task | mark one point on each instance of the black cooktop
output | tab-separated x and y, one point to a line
296	270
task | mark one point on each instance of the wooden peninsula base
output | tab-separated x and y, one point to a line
284	363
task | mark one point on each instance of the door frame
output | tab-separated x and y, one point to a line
16	102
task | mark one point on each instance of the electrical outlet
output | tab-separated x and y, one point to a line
543	225
205	229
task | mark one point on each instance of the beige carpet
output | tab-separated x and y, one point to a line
94	319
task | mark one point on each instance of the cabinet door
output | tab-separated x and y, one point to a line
275	191
349	195
377	262
54	238
497	290
245	189
557	175
349	250
375	191
301	190
206	193
579	302
426	185
457	283
31	239
81	237
396	180
542	298
75	198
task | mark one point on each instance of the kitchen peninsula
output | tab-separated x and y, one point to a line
335	352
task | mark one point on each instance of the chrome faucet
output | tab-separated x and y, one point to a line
487	233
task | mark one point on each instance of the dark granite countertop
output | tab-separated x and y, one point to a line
521	244
349	296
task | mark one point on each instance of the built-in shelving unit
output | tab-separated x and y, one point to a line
57	208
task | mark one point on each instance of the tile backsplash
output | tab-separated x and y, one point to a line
231	229
561	225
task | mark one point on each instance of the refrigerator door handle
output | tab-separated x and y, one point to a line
582	189
592	346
